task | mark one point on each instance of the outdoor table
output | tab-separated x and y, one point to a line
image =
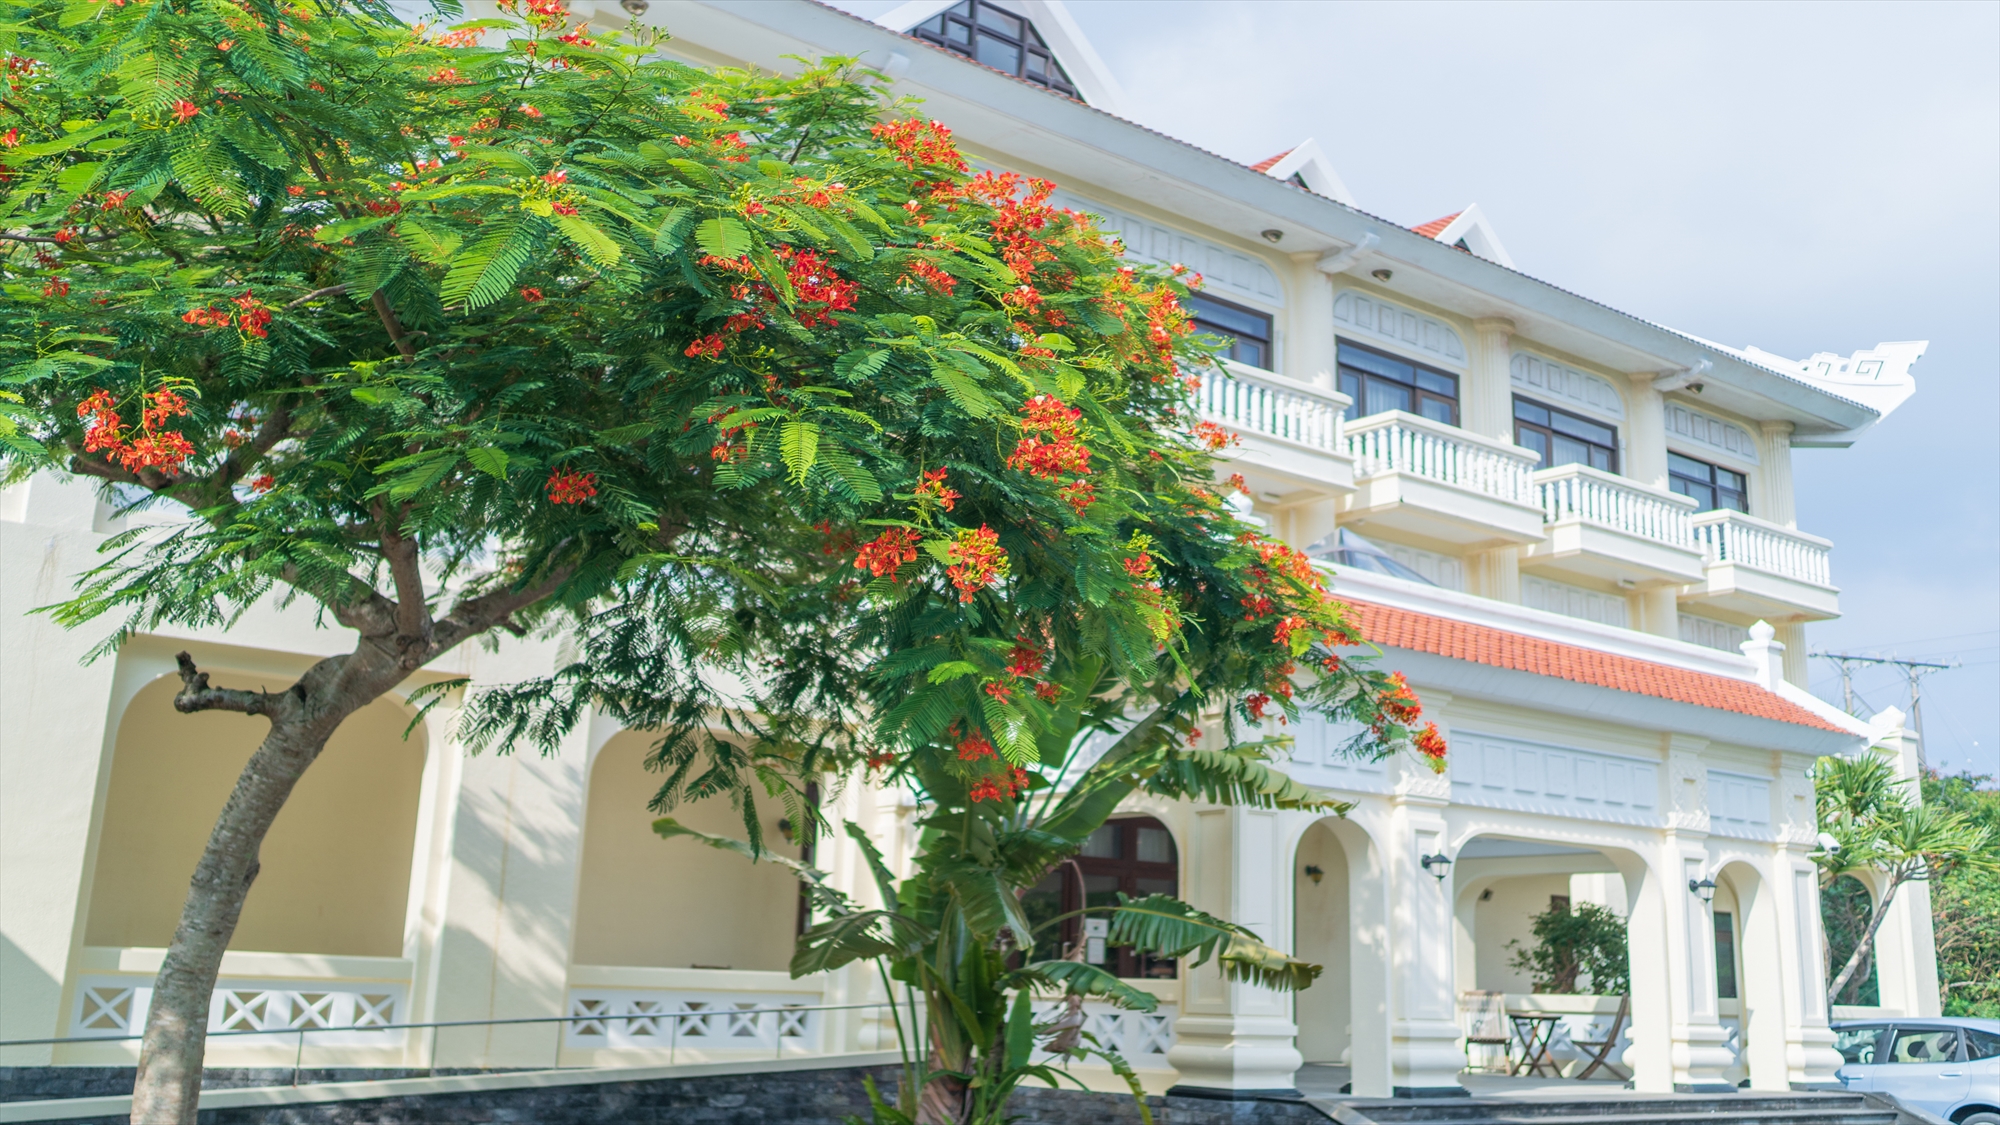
1536	1031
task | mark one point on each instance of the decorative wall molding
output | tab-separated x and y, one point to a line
1511	773
1739	805
613	1018
1406	328
1317	761
1551	381
1709	633
1710	433
1227	270
1573	601
1687	792
341	1013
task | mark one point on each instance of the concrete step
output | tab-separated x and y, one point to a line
1636	1109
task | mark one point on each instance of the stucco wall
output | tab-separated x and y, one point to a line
335	870
1322	923
1509	916
675	903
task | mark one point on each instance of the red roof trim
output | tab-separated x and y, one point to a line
1269	162
1436	226
1481	644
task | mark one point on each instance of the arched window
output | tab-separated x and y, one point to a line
1134	855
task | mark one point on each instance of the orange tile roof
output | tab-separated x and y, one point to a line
1269	162
1481	644
1436	226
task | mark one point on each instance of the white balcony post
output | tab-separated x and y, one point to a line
1646	432
1488	391
1774	474
1310	348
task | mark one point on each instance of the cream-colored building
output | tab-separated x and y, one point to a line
1569	526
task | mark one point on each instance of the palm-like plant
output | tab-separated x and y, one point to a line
954	932
1870	822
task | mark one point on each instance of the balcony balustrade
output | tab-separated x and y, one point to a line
1762	569
1599	525
1426	478
1291	444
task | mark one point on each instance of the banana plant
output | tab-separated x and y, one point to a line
954	936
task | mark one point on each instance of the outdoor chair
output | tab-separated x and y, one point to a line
1485	1020
1599	1051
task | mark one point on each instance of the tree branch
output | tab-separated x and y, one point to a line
195	694
395	326
473	617
329	291
414	632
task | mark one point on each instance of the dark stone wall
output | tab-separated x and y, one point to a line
802	1097
35	1083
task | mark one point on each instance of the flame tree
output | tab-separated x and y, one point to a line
517	327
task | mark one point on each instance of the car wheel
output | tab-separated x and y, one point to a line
1983	1117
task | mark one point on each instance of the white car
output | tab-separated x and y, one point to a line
1944	1065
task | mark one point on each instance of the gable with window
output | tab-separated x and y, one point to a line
1563	438
1247	331
1378	382
1711	486
992	36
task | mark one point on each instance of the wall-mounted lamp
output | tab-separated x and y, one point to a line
1438	865
1382	275
1703	890
1273	235
1315	874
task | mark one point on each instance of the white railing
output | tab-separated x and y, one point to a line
1248	400
115	1008
1732	537
621	1018
1143	1038
1580	492
1399	442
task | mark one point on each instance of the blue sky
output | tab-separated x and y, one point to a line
1799	177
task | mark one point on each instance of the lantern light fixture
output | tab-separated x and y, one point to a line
1438	865
1703	889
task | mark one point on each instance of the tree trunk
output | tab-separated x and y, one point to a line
167	1088
1863	945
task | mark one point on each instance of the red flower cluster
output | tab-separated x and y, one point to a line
933	488
1430	743
1080	494
252	317
1060	450
889	551
1000	690
917	142
1255	703
1005	787
976	561
1214	438
1025	660
936	278
185	109
816	284
531	294
567	486
709	345
974	747
149	448
1282	636
1401	703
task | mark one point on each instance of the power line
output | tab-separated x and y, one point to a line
1914	670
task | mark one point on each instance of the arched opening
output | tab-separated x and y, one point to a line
645	901
1340	921
1845	907
1565	984
1749	969
1132	855
334	874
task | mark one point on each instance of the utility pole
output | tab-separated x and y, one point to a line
1913	670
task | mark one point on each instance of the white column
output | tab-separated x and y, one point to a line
1231	1037
1810	1060
1486	398
1495	573
1311	350
1426	1049
1645	432
55	758
1906	949
1792	634
1656	611
1697	1050
511	905
1774	474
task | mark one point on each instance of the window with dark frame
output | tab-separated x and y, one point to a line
1725	955
1134	856
1247	330
1378	382
1711	486
997	38
1563	438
